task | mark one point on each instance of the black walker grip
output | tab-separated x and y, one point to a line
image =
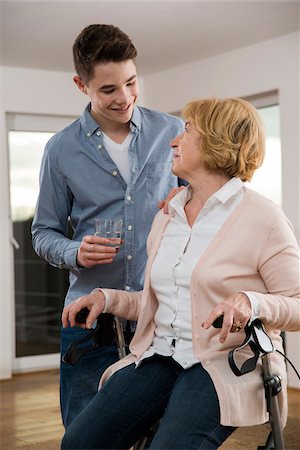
218	323
81	316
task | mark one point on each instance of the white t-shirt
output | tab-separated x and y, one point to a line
119	154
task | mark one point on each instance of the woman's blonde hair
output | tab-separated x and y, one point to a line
231	135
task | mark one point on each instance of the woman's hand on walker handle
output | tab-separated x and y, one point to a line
94	302
237	312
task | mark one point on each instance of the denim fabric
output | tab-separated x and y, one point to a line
79	383
133	399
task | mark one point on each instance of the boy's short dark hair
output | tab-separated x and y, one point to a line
100	44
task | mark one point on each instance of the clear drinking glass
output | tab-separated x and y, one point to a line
109	229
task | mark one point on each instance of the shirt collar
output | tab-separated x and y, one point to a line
228	190
231	188
179	200
89	125
136	119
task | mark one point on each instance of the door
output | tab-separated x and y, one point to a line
39	287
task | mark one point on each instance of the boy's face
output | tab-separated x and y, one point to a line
113	92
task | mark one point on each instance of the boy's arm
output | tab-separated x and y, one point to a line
51	219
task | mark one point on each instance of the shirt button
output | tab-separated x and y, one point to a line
88	134
127	288
98	133
99	146
129	227
115	173
128	197
129	257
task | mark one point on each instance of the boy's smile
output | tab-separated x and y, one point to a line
113	92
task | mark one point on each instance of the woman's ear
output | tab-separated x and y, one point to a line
80	84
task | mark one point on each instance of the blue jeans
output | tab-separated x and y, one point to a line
79	383
134	399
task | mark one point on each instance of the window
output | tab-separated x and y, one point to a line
268	179
25	154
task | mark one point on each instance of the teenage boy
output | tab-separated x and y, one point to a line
113	162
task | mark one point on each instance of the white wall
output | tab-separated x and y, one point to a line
248	71
41	92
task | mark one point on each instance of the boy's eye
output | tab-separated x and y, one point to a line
108	91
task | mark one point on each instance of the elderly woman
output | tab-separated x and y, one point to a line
223	249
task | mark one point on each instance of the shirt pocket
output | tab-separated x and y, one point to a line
159	181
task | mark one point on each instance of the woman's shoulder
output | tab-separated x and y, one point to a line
263	210
259	202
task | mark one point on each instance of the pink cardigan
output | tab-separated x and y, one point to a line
255	250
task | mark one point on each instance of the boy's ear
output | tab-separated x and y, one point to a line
80	84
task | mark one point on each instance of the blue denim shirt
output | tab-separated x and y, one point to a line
79	182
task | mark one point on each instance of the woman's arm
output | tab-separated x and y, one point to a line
279	267
122	304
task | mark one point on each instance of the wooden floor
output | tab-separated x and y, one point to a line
30	414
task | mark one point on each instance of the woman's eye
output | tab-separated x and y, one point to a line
187	127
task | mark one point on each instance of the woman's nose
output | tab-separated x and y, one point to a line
175	142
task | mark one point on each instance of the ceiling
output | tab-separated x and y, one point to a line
40	34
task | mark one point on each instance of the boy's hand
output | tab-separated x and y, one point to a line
95	250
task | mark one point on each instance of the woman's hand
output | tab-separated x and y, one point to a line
94	302
95	250
237	311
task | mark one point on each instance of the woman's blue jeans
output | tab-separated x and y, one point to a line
134	399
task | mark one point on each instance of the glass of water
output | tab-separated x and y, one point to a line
110	229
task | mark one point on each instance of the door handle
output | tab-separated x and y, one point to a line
14	243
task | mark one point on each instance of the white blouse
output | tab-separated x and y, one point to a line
180	249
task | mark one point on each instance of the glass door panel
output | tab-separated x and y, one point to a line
39	287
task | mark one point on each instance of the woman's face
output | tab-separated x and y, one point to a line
187	158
